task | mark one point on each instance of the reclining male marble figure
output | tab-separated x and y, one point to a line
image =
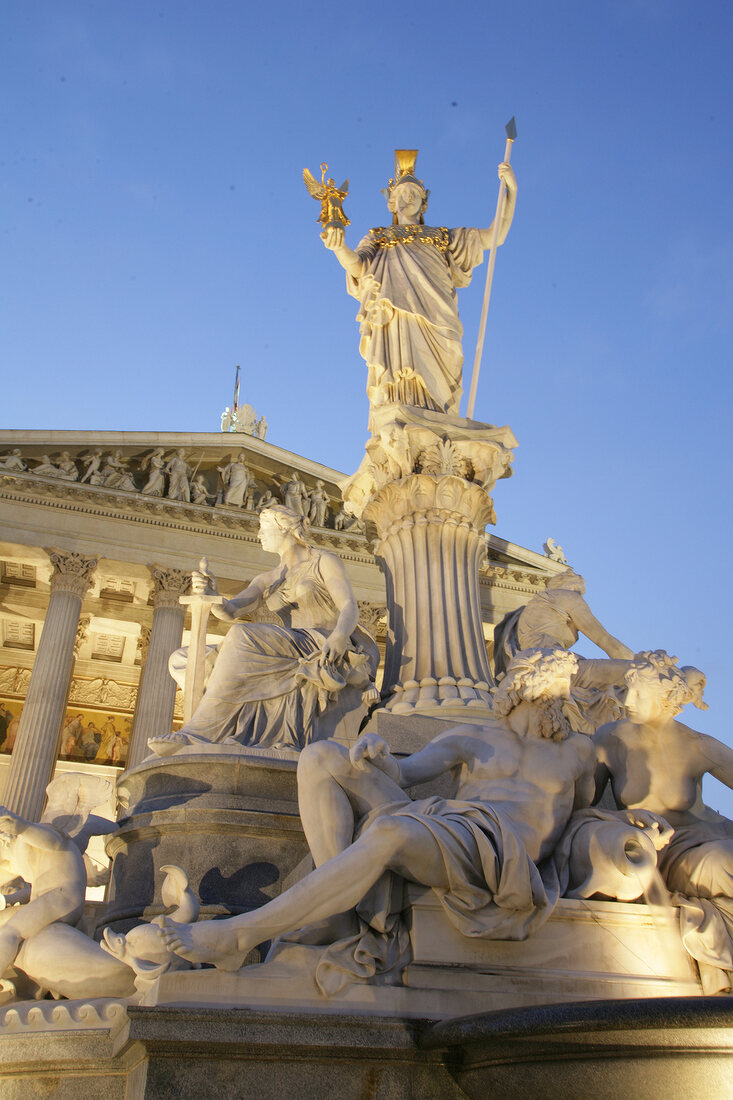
657	764
518	780
271	684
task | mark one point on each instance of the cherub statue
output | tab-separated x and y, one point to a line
330	197
45	873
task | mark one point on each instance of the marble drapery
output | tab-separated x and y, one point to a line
408	312
268	684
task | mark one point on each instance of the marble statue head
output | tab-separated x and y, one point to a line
408	195
569	579
656	687
405	192
540	676
286	521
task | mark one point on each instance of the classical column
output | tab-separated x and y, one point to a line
36	747
156	696
425	483
430	545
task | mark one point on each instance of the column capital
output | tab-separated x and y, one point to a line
72	572
169	585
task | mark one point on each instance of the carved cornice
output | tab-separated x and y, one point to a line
116	505
511	580
169	585
72	572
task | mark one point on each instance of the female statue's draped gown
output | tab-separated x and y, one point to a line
268	687
409	314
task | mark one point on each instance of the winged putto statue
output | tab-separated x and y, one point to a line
330	197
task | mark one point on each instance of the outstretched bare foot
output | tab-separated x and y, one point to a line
205	942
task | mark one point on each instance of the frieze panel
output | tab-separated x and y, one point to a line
349	542
103	692
181	477
15	680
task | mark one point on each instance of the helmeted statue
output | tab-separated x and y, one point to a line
405	277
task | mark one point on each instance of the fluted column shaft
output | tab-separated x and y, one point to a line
39	732
156	696
430	547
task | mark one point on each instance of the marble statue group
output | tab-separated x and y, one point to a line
533	744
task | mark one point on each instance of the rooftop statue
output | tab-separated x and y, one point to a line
237	480
657	764
405	277
272	684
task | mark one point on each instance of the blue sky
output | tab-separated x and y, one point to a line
155	231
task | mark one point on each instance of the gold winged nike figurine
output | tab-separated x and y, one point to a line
330	197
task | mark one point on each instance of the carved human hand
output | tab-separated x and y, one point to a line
370	748
657	829
21	896
506	173
334	646
203	582
333	237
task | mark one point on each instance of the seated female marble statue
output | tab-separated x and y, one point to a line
284	686
656	763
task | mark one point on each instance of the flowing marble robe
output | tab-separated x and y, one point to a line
267	687
495	890
697	866
409	314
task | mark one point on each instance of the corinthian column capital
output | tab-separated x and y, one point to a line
72	572
169	585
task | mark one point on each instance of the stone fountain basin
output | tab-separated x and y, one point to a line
654	1047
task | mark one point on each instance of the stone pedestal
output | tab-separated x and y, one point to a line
230	820
656	1049
586	951
36	746
425	483
156	697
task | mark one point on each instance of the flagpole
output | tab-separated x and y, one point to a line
236	391
511	134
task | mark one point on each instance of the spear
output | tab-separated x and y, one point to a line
511	134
